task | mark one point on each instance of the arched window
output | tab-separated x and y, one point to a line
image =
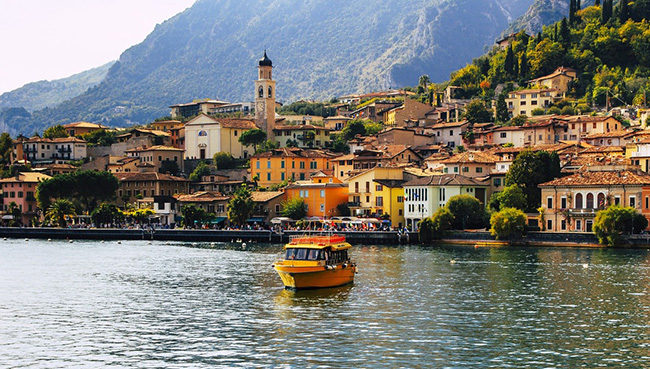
261	91
590	201
579	201
270	92
601	201
203	133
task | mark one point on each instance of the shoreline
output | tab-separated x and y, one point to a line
471	239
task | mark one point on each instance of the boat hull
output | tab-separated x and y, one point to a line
295	277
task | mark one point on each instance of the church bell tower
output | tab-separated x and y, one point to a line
265	97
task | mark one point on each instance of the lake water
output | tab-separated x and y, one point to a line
182	305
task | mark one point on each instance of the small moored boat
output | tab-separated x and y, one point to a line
316	262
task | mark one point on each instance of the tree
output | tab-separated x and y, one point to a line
106	214
140	216
531	168
436	226
568	110
554	110
85	186
100	137
193	215
623	11
502	114
424	81
55	132
507	223
354	128
610	224
294	208
6	148
509	62
606	11
224	160
468	212
14	210
519	120
241	205
523	66
169	166
373	128
59	210
537	111
252	137
511	197
477	112
202	169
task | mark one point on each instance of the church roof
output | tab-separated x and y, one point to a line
265	61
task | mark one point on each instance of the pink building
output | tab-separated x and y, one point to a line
21	189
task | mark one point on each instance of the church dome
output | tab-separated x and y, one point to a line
265	61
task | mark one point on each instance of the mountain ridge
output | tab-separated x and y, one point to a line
320	49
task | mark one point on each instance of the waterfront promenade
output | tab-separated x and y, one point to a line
267	236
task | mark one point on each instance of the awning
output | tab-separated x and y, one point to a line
279	220
218	220
255	220
7	217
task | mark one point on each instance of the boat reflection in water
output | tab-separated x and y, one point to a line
316	262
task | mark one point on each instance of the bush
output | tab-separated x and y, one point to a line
610	224
436	226
538	111
468	212
508	223
568	110
554	110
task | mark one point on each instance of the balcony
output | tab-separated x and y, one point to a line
64	149
582	212
355	204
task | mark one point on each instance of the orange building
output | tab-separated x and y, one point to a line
322	198
288	163
81	128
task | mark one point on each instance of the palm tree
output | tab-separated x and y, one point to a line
59	210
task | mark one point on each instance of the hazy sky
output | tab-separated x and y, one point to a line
52	39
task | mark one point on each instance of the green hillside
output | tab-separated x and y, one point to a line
609	46
41	94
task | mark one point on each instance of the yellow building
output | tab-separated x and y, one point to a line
378	191
301	135
159	156
288	163
525	101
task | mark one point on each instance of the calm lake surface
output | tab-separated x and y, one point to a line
182	305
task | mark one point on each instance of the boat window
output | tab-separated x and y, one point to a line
291	254
313	254
302	254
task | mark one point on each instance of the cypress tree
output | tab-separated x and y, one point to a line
597	3
509	61
515	67
523	66
565	32
572	11
578	5
606	11
623	11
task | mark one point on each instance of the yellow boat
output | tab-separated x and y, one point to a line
316	262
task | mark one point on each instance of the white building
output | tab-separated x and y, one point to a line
424	196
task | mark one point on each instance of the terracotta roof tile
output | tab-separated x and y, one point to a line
599	178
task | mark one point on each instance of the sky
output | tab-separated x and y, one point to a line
52	39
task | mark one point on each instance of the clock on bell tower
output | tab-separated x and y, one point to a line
265	97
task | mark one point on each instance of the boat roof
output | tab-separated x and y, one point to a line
318	242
